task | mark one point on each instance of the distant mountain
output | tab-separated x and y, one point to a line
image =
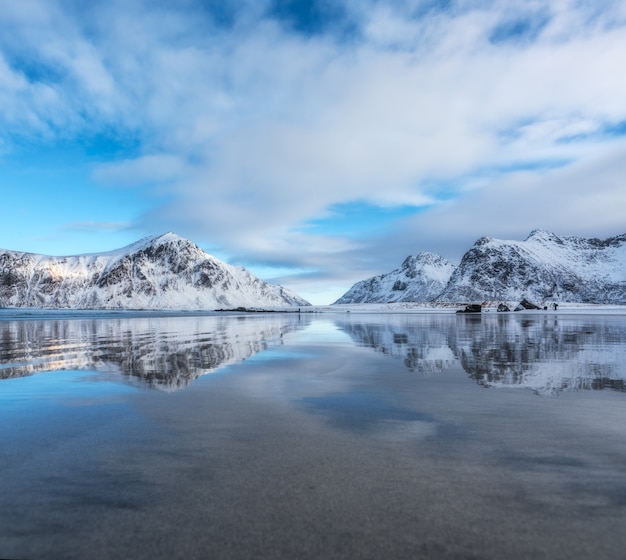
157	272
420	278
544	267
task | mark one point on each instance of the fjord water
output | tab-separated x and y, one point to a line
313	436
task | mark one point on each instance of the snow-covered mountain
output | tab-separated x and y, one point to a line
157	272
544	267
420	278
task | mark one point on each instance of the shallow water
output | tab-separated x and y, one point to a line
313	436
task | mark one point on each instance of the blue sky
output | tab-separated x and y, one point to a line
315	142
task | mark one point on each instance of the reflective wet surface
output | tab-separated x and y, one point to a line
313	436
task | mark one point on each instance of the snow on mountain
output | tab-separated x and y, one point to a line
420	278
157	272
544	267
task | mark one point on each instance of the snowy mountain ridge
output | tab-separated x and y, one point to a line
420	278
544	267
157	272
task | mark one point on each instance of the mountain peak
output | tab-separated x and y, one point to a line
543	235
168	236
155	240
160	238
162	271
421	277
423	258
542	268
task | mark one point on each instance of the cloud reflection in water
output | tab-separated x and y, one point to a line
362	412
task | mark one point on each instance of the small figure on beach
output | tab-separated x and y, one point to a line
555	305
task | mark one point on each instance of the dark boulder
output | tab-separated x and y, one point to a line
525	304
471	308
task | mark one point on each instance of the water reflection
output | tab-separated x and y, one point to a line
420	342
163	352
546	353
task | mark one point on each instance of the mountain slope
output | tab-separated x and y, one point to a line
420	278
158	272
544	267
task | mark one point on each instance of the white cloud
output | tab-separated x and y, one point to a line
585	198
249	130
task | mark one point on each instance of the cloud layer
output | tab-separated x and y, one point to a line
250	121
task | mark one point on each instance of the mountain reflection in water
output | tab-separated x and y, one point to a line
163	352
545	353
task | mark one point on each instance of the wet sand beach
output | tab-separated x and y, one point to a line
333	436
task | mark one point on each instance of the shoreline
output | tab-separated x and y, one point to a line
13	313
489	307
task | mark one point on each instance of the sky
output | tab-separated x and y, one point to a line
316	142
